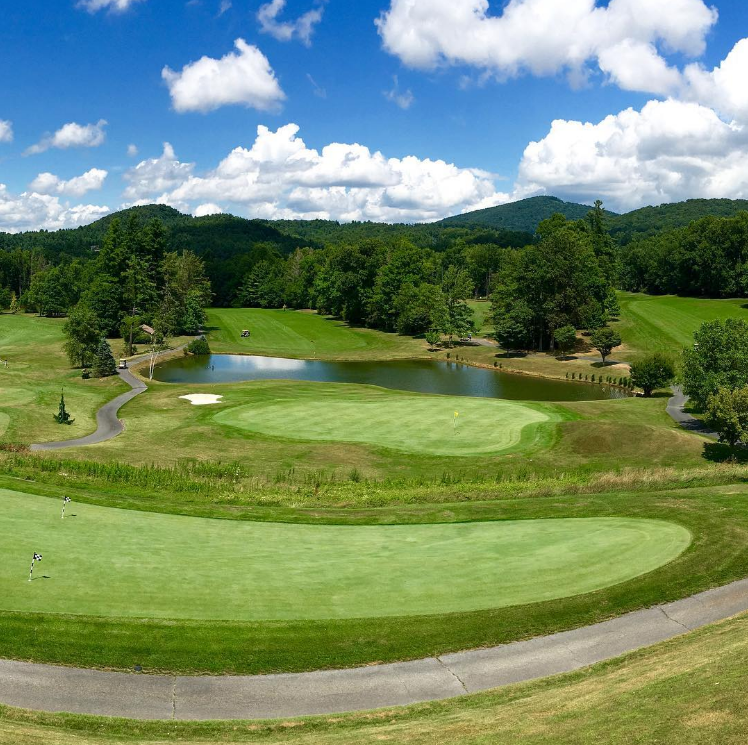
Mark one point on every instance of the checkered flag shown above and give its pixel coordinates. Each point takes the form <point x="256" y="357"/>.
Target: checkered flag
<point x="37" y="557"/>
<point x="65" y="500"/>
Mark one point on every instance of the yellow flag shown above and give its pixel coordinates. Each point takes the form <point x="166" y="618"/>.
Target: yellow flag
<point x="457" y="413"/>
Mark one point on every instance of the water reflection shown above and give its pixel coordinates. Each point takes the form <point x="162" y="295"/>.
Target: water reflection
<point x="423" y="376"/>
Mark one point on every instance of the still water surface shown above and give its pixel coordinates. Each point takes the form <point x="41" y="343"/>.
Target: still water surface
<point x="422" y="376"/>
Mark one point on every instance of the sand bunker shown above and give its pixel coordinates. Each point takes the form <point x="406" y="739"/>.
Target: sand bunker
<point x="202" y="399"/>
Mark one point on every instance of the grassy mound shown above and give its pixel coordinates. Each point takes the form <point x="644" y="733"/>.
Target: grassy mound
<point x="413" y="423"/>
<point x="108" y="562"/>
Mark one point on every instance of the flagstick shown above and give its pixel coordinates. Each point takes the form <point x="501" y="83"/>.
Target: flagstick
<point x="65" y="500"/>
<point x="36" y="557"/>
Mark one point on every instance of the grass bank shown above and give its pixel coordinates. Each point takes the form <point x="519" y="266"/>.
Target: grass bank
<point x="687" y="691"/>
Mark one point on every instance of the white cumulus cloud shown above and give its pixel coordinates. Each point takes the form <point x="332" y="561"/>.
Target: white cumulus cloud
<point x="31" y="211"/>
<point x="118" y="6"/>
<point x="301" y="29"/>
<point x="726" y="87"/>
<point x="669" y="151"/>
<point x="626" y="39"/>
<point x="280" y="177"/>
<point x="156" y="175"/>
<point x="49" y="183"/>
<point x="242" y="77"/>
<point x="72" y="135"/>
<point x="202" y="210"/>
<point x="6" y="131"/>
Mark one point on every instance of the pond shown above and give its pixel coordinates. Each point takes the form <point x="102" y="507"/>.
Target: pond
<point x="422" y="376"/>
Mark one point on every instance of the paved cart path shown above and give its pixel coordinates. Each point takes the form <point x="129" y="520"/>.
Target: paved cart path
<point x="676" y="409"/>
<point x="108" y="425"/>
<point x="138" y="696"/>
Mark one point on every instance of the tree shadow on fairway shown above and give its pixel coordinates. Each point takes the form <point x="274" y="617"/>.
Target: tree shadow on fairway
<point x="719" y="452"/>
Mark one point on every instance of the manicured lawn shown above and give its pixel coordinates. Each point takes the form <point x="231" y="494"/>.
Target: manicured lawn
<point x="31" y="384"/>
<point x="716" y="518"/>
<point x="411" y="423"/>
<point x="303" y="334"/>
<point x="108" y="562"/>
<point x="687" y="691"/>
<point x="667" y="323"/>
<point x="481" y="309"/>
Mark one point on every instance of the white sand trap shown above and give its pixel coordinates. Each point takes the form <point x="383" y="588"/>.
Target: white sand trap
<point x="203" y="399"/>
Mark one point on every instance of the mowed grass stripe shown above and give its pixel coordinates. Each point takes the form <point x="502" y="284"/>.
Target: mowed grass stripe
<point x="109" y="562"/>
<point x="667" y="323"/>
<point x="303" y="334"/>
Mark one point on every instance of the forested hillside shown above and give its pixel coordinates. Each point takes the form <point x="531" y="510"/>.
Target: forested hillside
<point x="524" y="215"/>
<point x="651" y="220"/>
<point x="414" y="279"/>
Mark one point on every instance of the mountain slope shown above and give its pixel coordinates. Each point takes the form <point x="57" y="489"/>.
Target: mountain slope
<point x="524" y="215"/>
<point x="650" y="220"/>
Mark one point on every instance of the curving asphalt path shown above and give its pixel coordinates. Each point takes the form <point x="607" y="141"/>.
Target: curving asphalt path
<point x="676" y="409"/>
<point x="108" y="425"/>
<point x="137" y="696"/>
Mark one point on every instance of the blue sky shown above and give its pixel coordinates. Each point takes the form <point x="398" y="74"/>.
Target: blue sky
<point x="466" y="82"/>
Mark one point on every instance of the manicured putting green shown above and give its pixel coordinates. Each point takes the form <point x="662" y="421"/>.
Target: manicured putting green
<point x="110" y="562"/>
<point x="414" y="423"/>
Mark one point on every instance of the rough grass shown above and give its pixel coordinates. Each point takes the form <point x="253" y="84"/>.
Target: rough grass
<point x="303" y="334"/>
<point x="101" y="561"/>
<point x="687" y="691"/>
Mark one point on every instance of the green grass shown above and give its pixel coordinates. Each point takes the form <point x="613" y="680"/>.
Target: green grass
<point x="716" y="518"/>
<point x="108" y="562"/>
<point x="687" y="691"/>
<point x="37" y="371"/>
<point x="481" y="310"/>
<point x="436" y="425"/>
<point x="667" y="323"/>
<point x="303" y="334"/>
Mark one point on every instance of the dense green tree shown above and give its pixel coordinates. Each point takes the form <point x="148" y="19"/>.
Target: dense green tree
<point x="82" y="335"/>
<point x="727" y="414"/>
<point x="605" y="340"/>
<point x="652" y="372"/>
<point x="420" y="309"/>
<point x="513" y="327"/>
<point x="718" y="359"/>
<point x="565" y="339"/>
<point x="103" y="362"/>
<point x="558" y="280"/>
<point x="62" y="416"/>
<point x="433" y="339"/>
<point x="264" y="286"/>
<point x="457" y="287"/>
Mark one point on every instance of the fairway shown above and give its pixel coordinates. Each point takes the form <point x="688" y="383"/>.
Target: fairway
<point x="651" y="323"/>
<point x="413" y="423"/>
<point x="303" y="334"/>
<point x="111" y="562"/>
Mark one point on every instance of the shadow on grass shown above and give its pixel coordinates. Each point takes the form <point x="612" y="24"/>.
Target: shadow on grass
<point x="719" y="452"/>
<point x="511" y="355"/>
